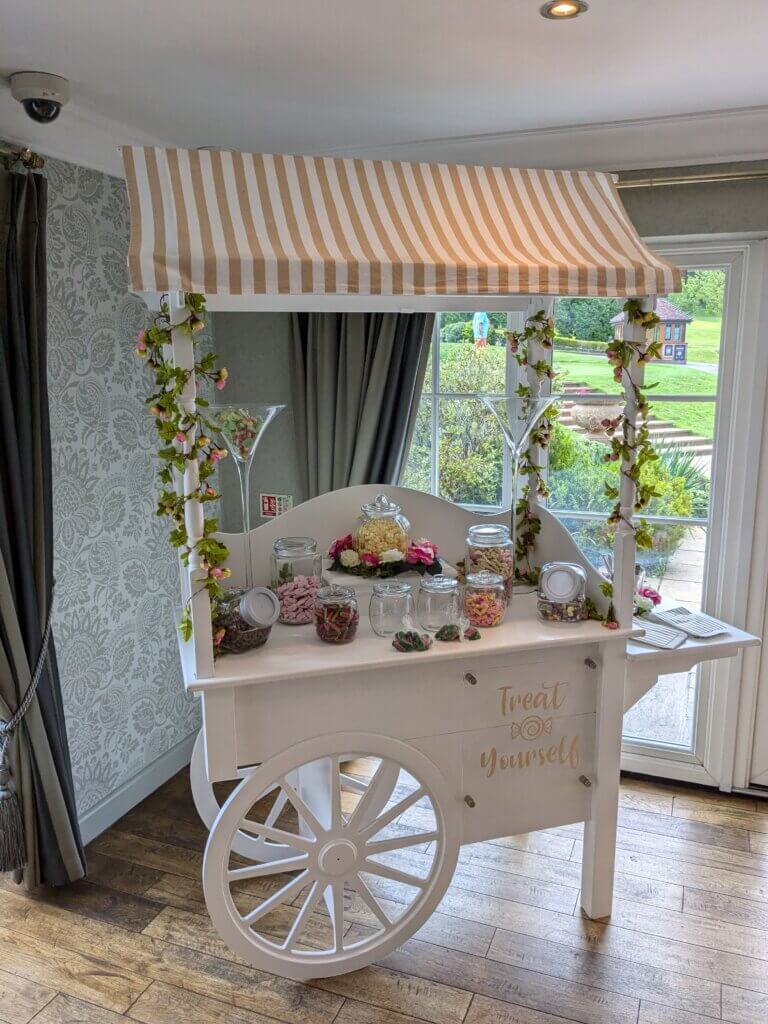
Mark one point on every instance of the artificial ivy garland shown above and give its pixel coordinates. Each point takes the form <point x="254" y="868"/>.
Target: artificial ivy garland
<point x="538" y="328"/>
<point x="185" y="437"/>
<point x="621" y="354"/>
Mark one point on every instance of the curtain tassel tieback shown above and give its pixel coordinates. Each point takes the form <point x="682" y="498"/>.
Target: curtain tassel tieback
<point x="13" y="853"/>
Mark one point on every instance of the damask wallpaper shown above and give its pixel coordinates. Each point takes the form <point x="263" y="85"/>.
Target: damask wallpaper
<point x="116" y="577"/>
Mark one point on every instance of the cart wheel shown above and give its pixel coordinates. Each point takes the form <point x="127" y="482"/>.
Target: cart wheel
<point x="256" y="847"/>
<point x="356" y="881"/>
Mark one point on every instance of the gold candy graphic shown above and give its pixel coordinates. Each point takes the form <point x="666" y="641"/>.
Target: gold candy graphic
<point x="531" y="728"/>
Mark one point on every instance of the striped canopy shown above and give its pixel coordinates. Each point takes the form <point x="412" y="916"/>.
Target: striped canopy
<point x="227" y="223"/>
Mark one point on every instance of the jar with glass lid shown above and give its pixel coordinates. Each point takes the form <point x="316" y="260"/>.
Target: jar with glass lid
<point x="297" y="572"/>
<point x="336" y="614"/>
<point x="392" y="607"/>
<point x="381" y="528"/>
<point x="438" y="603"/>
<point x="485" y="599"/>
<point x="562" y="592"/>
<point x="490" y="548"/>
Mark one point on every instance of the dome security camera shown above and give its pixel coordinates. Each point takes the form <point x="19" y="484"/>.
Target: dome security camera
<point x="42" y="95"/>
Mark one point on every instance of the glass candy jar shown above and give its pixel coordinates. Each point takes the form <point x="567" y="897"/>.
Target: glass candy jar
<point x="485" y="599"/>
<point x="490" y="549"/>
<point x="391" y="608"/>
<point x="562" y="594"/>
<point x="438" y="603"/>
<point x="381" y="527"/>
<point x="296" y="575"/>
<point x="336" y="614"/>
<point x="243" y="619"/>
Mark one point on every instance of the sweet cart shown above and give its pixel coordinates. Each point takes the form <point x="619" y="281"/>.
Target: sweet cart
<point x="359" y="771"/>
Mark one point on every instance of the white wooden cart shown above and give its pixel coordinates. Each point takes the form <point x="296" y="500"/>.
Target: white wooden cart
<point x="359" y="772"/>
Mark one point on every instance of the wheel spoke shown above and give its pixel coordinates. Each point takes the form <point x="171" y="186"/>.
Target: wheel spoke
<point x="370" y="901"/>
<point x="400" y="843"/>
<point x="274" y="867"/>
<point x="389" y="816"/>
<point x="277" y="808"/>
<point x="337" y="916"/>
<point x="301" y="808"/>
<point x="276" y="835"/>
<point x="376" y="794"/>
<point x="335" y="787"/>
<point x="352" y="784"/>
<point x="373" y="868"/>
<point x="283" y="895"/>
<point x="298" y="926"/>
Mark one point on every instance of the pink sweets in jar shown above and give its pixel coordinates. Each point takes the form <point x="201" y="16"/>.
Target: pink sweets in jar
<point x="297" y="600"/>
<point x="296" y="576"/>
<point x="485" y="600"/>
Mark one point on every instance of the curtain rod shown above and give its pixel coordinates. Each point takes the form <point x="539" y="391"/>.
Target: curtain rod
<point x="29" y="159"/>
<point x="704" y="178"/>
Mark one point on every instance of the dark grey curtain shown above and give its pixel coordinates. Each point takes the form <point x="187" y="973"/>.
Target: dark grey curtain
<point x="39" y="755"/>
<point x="356" y="383"/>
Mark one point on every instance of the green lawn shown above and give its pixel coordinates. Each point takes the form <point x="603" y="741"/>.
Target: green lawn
<point x="703" y="337"/>
<point x="466" y="369"/>
<point x="595" y="372"/>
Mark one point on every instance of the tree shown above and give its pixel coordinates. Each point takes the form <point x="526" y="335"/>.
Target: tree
<point x="589" y="319"/>
<point x="703" y="293"/>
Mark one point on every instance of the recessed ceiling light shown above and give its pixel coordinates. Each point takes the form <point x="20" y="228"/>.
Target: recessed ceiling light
<point x="561" y="9"/>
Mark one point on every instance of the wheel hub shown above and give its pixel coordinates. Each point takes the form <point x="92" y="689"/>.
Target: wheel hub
<point x="337" y="857"/>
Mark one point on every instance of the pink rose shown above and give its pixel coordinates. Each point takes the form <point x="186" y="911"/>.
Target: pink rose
<point x="220" y="384"/>
<point x="650" y="594"/>
<point x="141" y="342"/>
<point x="423" y="551"/>
<point x="342" y="544"/>
<point x="369" y="558"/>
<point x="181" y="437"/>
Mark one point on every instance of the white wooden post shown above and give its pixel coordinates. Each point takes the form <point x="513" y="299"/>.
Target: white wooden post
<point x="599" y="854"/>
<point x="600" y="831"/>
<point x="194" y="517"/>
<point x="539" y="389"/>
<point x="624" y="546"/>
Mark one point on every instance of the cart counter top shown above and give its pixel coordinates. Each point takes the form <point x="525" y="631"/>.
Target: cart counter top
<point x="295" y="652"/>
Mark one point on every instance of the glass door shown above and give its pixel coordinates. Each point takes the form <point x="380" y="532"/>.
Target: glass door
<point x="668" y="723"/>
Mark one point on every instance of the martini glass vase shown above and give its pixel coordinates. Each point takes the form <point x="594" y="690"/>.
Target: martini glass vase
<point x="517" y="418"/>
<point x="241" y="429"/>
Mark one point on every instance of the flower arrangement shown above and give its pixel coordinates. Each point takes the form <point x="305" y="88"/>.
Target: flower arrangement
<point x="184" y="436"/>
<point x="646" y="599"/>
<point x="421" y="556"/>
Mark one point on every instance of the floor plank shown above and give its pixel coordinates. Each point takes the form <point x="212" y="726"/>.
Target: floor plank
<point x="615" y="974"/>
<point x="536" y="991"/>
<point x="21" y="999"/>
<point x="742" y="1007"/>
<point x="507" y="945"/>
<point x="68" y="1010"/>
<point x="165" y="1004"/>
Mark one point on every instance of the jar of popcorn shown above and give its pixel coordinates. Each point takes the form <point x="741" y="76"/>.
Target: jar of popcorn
<point x="296" y="576"/>
<point x="485" y="600"/>
<point x="381" y="528"/>
<point x="490" y="549"/>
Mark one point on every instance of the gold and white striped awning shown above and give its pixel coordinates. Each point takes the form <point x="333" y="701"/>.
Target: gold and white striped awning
<point x="228" y="223"/>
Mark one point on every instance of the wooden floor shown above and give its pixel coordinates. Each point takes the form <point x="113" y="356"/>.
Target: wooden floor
<point x="688" y="940"/>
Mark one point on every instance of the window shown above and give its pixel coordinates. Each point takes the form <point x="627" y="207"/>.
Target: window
<point x="677" y="332"/>
<point x="457" y="450"/>
<point x="668" y="332"/>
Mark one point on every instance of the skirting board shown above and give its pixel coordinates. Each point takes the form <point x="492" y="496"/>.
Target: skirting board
<point x="112" y="808"/>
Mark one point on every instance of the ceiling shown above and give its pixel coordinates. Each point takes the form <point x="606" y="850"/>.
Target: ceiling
<point x="455" y="79"/>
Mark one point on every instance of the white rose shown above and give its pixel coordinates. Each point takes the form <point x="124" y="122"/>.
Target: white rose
<point x="392" y="555"/>
<point x="349" y="558"/>
<point x="643" y="605"/>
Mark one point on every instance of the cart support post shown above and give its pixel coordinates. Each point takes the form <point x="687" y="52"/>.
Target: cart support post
<point x="194" y="518"/>
<point x="624" y="546"/>
<point x="599" y="855"/>
<point x="539" y="388"/>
